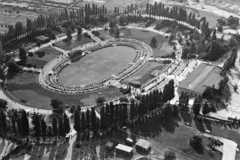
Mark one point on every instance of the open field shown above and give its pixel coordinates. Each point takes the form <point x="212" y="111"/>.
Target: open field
<point x="11" y="16"/>
<point x="50" y="53"/>
<point x="73" y="43"/>
<point x="110" y="4"/>
<point x="97" y="66"/>
<point x="162" y="48"/>
<point x="144" y="74"/>
<point x="24" y="87"/>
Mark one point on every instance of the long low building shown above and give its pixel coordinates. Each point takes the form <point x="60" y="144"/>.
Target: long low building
<point x="197" y="81"/>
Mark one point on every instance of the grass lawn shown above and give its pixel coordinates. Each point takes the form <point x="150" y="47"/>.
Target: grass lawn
<point x="36" y="96"/>
<point x="172" y="133"/>
<point x="97" y="66"/>
<point x="73" y="43"/>
<point x="50" y="53"/>
<point x="145" y="36"/>
<point x="144" y="74"/>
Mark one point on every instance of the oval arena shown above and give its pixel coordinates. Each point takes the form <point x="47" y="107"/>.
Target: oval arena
<point x="49" y="78"/>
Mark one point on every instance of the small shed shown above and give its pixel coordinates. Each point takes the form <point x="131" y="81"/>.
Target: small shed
<point x="109" y="145"/>
<point x="123" y="149"/>
<point x="129" y="141"/>
<point x="143" y="145"/>
<point x="42" y="39"/>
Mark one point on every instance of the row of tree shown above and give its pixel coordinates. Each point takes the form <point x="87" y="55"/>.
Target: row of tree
<point x="42" y="23"/>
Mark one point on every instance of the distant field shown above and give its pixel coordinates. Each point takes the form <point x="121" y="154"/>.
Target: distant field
<point x="145" y="36"/>
<point x="75" y="42"/>
<point x="13" y="17"/>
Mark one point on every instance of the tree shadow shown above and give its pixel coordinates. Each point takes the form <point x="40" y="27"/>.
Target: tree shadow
<point x="199" y="125"/>
<point x="208" y="125"/>
<point x="150" y="128"/>
<point x="168" y="124"/>
<point x="52" y="152"/>
<point x="186" y="116"/>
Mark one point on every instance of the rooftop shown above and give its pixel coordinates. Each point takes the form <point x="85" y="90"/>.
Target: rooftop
<point x="124" y="148"/>
<point x="204" y="75"/>
<point x="143" y="143"/>
<point x="42" y="37"/>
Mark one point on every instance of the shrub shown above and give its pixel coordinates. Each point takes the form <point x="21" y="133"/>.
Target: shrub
<point x="86" y="35"/>
<point x="40" y="54"/>
<point x="96" y="33"/>
<point x="169" y="155"/>
<point x="30" y="54"/>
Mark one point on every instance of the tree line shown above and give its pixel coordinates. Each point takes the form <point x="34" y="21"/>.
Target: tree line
<point x="88" y="14"/>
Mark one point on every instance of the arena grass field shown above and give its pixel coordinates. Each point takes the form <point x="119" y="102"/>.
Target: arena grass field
<point x="97" y="66"/>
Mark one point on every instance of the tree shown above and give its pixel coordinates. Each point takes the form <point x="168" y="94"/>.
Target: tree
<point x="123" y="100"/>
<point x="19" y="126"/>
<point x="66" y="124"/>
<point x="12" y="67"/>
<point x="3" y="122"/>
<point x="117" y="33"/>
<point x="69" y="33"/>
<point x="72" y="109"/>
<point x="43" y="128"/>
<point x="220" y="29"/>
<point x="77" y="123"/>
<point x="205" y="109"/>
<point x="3" y="103"/>
<point x="61" y="129"/>
<point x="100" y="100"/>
<point x="169" y="155"/>
<point x="14" y="129"/>
<point x="36" y="127"/>
<point x="79" y="32"/>
<point x="57" y="106"/>
<point x="175" y="110"/>
<point x="196" y="143"/>
<point x="193" y="47"/>
<point x="168" y="110"/>
<point x="196" y="106"/>
<point x="153" y="42"/>
<point x="123" y="20"/>
<point x="233" y="42"/>
<point x="54" y="126"/>
<point x="93" y="119"/>
<point x="22" y="55"/>
<point x="25" y="123"/>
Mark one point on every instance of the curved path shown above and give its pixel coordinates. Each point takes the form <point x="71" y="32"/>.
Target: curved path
<point x="49" y="81"/>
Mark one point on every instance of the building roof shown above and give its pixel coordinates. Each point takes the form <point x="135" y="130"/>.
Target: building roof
<point x="143" y="144"/>
<point x="42" y="38"/>
<point x="204" y="75"/>
<point x="124" y="148"/>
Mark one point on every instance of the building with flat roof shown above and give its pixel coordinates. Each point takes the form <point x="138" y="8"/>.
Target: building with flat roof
<point x="123" y="149"/>
<point x="143" y="145"/>
<point x="196" y="82"/>
<point x="42" y="39"/>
